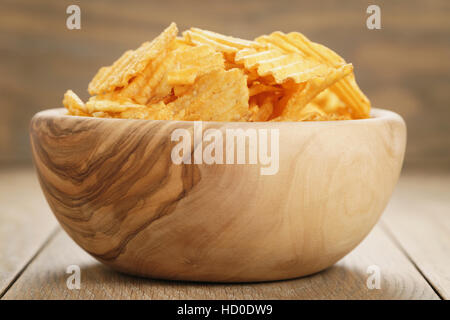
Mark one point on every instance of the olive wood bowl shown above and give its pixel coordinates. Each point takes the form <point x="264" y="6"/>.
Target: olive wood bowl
<point x="115" y="189"/>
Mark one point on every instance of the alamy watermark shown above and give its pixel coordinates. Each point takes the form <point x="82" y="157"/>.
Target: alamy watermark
<point x="228" y="146"/>
<point x="73" y="21"/>
<point x="374" y="20"/>
<point x="74" y="280"/>
<point x="374" y="278"/>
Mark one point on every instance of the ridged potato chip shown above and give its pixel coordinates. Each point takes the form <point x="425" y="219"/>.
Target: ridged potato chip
<point x="329" y="102"/>
<point x="179" y="90"/>
<point x="218" y="41"/>
<point x="194" y="62"/>
<point x="151" y="86"/>
<point x="180" y="42"/>
<point x="309" y="90"/>
<point x="219" y="95"/>
<point x="257" y="87"/>
<point x="311" y="111"/>
<point x="159" y="111"/>
<point x="346" y="89"/>
<point x="74" y="104"/>
<point x="282" y="66"/>
<point x="131" y="63"/>
<point x="103" y="104"/>
<point x="264" y="111"/>
<point x="180" y="66"/>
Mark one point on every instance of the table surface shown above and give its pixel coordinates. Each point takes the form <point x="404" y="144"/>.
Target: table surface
<point x="409" y="249"/>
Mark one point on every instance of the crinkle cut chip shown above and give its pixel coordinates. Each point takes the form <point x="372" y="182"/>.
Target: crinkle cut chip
<point x="217" y="96"/>
<point x="346" y="89"/>
<point x="131" y="63"/>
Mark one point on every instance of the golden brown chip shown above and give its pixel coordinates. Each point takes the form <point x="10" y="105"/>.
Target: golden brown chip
<point x="73" y="104"/>
<point x="309" y="112"/>
<point x="180" y="90"/>
<point x="282" y="66"/>
<point x="193" y="62"/>
<point x="179" y="67"/>
<point x="218" y="96"/>
<point x="218" y="41"/>
<point x="230" y="64"/>
<point x="131" y="63"/>
<point x="103" y="104"/>
<point x="313" y="112"/>
<point x="309" y="90"/>
<point x="346" y="89"/>
<point x="159" y="111"/>
<point x="257" y="87"/>
<point x="263" y="112"/>
<point x="180" y="42"/>
<point x="328" y="101"/>
<point x="149" y="86"/>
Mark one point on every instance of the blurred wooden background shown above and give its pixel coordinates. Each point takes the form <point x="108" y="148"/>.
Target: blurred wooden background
<point x="404" y="67"/>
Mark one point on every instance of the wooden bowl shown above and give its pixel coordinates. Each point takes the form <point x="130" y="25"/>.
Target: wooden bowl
<point x="114" y="188"/>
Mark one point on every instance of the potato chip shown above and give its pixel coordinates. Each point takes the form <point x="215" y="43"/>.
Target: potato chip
<point x="309" y="90"/>
<point x="192" y="63"/>
<point x="257" y="87"/>
<point x="218" y="41"/>
<point x="311" y="111"/>
<point x="73" y="104"/>
<point x="346" y="89"/>
<point x="159" y="111"/>
<point x="102" y="114"/>
<point x="282" y="66"/>
<point x="180" y="42"/>
<point x="179" y="90"/>
<point x="143" y="88"/>
<point x="263" y="112"/>
<point x="179" y="67"/>
<point x="219" y="95"/>
<point x="103" y="104"/>
<point x="230" y="64"/>
<point x="329" y="102"/>
<point x="318" y="115"/>
<point x="131" y="63"/>
<point x="314" y="112"/>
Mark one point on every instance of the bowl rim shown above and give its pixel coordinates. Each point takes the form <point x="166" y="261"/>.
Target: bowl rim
<point x="376" y="115"/>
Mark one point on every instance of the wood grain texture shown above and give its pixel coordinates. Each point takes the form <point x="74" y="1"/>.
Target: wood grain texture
<point x="418" y="218"/>
<point x="46" y="278"/>
<point x="403" y="67"/>
<point x="25" y="222"/>
<point x="113" y="187"/>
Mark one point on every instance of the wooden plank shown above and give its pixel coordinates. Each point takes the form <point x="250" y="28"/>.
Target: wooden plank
<point x="46" y="278"/>
<point x="26" y="222"/>
<point x="418" y="218"/>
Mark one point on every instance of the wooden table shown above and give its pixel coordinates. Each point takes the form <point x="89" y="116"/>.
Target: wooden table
<point x="410" y="247"/>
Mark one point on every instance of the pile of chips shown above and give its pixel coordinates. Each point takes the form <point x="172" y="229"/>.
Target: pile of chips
<point x="203" y="75"/>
